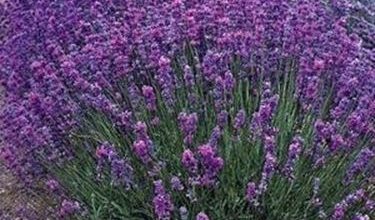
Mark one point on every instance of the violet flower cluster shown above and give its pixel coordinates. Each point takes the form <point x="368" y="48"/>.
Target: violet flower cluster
<point x="162" y="201"/>
<point x="143" y="145"/>
<point x="364" y="158"/>
<point x="120" y="169"/>
<point x="203" y="166"/>
<point x="215" y="107"/>
<point x="350" y="200"/>
<point x="295" y="149"/>
<point x="188" y="125"/>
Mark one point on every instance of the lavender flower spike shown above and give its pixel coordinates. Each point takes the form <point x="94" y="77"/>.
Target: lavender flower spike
<point x="176" y="184"/>
<point x="252" y="194"/>
<point x="184" y="213"/>
<point x="212" y="164"/>
<point x="189" y="161"/>
<point x="222" y="118"/>
<point x="295" y="150"/>
<point x="52" y="184"/>
<point x="215" y="136"/>
<point x="150" y="98"/>
<point x="202" y="216"/>
<point x="120" y="169"/>
<point x="346" y="203"/>
<point x="122" y="173"/>
<point x="68" y="208"/>
<point x="143" y="146"/>
<point x="239" y="120"/>
<point x="269" y="165"/>
<point x="163" y="206"/>
<point x="363" y="159"/>
<point x="165" y="80"/>
<point x="142" y="150"/>
<point x="359" y="216"/>
<point x="188" y="126"/>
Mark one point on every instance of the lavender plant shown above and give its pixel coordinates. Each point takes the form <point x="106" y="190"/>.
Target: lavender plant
<point x="199" y="109"/>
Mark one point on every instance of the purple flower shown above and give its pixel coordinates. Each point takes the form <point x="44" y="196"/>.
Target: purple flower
<point x="339" y="212"/>
<point x="261" y="120"/>
<point x="189" y="80"/>
<point x="176" y="184"/>
<point x="215" y="136"/>
<point x="295" y="150"/>
<point x="140" y="130"/>
<point x="229" y="81"/>
<point x="189" y="161"/>
<point x="63" y="62"/>
<point x="239" y="120"/>
<point x="155" y="121"/>
<point x="319" y="64"/>
<point x="341" y="108"/>
<point x="143" y="146"/>
<point x="188" y="77"/>
<point x="212" y="63"/>
<point x="125" y="120"/>
<point x="269" y="165"/>
<point x="142" y="150"/>
<point x="120" y="169"/>
<point x="150" y="98"/>
<point x="359" y="216"/>
<point x="268" y="171"/>
<point x="202" y="216"/>
<point x="103" y="151"/>
<point x="218" y="94"/>
<point x="269" y="143"/>
<point x="134" y="96"/>
<point x="184" y="213"/>
<point x="364" y="157"/>
<point x="163" y="206"/>
<point x="188" y="126"/>
<point x="122" y="173"/>
<point x="212" y="164"/>
<point x="351" y="199"/>
<point x="370" y="205"/>
<point x="315" y="200"/>
<point x="323" y="130"/>
<point x="165" y="80"/>
<point x="52" y="184"/>
<point x="69" y="208"/>
<point x="252" y="193"/>
<point x="337" y="142"/>
<point x="222" y="118"/>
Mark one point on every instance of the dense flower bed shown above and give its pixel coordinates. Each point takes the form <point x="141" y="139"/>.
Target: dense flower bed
<point x="199" y="109"/>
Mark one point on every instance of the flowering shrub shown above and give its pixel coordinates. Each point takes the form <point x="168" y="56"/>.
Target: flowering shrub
<point x="241" y="109"/>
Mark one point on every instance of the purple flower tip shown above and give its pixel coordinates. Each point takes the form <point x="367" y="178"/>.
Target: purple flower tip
<point x="202" y="216"/>
<point x="176" y="184"/>
<point x="189" y="161"/>
<point x="251" y="193"/>
<point x="163" y="206"/>
<point x="150" y="98"/>
<point x="69" y="208"/>
<point x="52" y="184"/>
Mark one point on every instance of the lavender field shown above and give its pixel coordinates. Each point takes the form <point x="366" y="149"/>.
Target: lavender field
<point x="188" y="109"/>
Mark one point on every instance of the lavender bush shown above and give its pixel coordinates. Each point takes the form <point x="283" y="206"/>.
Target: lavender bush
<point x="199" y="109"/>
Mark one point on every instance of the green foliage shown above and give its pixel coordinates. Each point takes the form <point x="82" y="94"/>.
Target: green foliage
<point x="243" y="161"/>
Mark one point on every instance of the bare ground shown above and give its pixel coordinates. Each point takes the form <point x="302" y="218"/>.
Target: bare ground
<point x="16" y="202"/>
